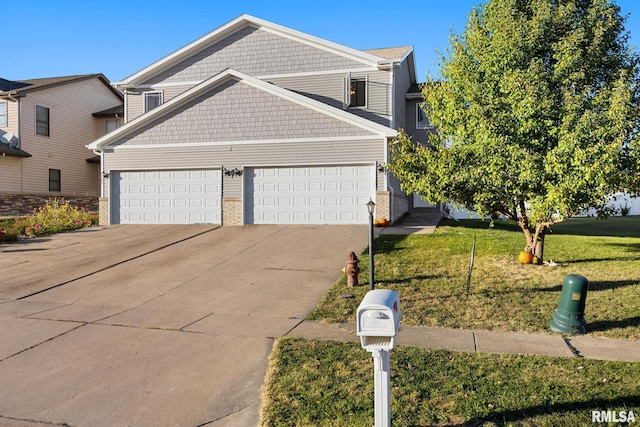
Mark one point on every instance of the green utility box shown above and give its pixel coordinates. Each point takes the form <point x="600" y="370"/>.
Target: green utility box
<point x="569" y="316"/>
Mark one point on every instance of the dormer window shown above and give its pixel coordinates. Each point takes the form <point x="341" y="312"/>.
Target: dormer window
<point x="152" y="100"/>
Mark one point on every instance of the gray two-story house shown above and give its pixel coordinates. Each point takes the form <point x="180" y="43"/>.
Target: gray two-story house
<point x="256" y="123"/>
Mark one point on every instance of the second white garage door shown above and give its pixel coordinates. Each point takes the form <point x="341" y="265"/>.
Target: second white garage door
<point x="309" y="195"/>
<point x="166" y="197"/>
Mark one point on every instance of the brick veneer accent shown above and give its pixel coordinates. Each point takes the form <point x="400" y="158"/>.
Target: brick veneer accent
<point x="383" y="205"/>
<point x="232" y="211"/>
<point x="25" y="204"/>
<point x="103" y="212"/>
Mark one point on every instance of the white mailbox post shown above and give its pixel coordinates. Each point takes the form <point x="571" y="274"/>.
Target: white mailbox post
<point x="377" y="322"/>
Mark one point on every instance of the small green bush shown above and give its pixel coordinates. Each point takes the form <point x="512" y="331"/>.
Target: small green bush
<point x="8" y="235"/>
<point x="57" y="216"/>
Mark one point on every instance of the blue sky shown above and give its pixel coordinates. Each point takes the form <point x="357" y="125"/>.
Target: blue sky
<point x="118" y="38"/>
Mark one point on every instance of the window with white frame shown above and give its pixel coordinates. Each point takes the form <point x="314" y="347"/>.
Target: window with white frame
<point x="152" y="100"/>
<point x="110" y="125"/>
<point x="3" y="114"/>
<point x="358" y="93"/>
<point x="422" y="122"/>
<point x="42" y="121"/>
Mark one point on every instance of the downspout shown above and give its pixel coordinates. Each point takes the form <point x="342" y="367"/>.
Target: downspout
<point x="393" y="96"/>
<point x="102" y="173"/>
<point x="20" y="141"/>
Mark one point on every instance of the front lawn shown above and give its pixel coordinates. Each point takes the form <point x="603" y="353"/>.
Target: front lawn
<point x="323" y="383"/>
<point x="430" y="274"/>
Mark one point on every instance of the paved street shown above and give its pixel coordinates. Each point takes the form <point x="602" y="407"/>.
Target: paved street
<point x="155" y="325"/>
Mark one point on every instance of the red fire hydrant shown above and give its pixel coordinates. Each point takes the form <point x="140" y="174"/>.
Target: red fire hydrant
<point x="352" y="270"/>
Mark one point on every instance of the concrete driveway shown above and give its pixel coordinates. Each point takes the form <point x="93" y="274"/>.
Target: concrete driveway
<point x="155" y="325"/>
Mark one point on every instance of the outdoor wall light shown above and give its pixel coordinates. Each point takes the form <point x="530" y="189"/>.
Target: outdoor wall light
<point x="233" y="172"/>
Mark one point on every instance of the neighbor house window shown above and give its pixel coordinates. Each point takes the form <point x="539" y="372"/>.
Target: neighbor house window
<point x="3" y="113"/>
<point x="111" y="125"/>
<point x="422" y="122"/>
<point x="54" y="180"/>
<point x="358" y="93"/>
<point x="152" y="100"/>
<point x="42" y="121"/>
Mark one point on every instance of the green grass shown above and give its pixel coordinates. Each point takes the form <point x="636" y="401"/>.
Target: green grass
<point x="430" y="271"/>
<point x="322" y="383"/>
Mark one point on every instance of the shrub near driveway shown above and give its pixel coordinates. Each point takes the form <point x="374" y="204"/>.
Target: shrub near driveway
<point x="429" y="272"/>
<point x="57" y="216"/>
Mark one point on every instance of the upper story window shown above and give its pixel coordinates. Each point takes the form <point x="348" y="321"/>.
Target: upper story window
<point x="358" y="93"/>
<point x="42" y="121"/>
<point x="152" y="100"/>
<point x="111" y="125"/>
<point x="3" y="114"/>
<point x="422" y="122"/>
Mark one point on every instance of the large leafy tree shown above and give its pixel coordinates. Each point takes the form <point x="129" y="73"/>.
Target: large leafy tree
<point x="536" y="115"/>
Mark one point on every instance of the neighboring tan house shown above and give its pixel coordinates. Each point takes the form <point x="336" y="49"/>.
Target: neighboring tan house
<point x="256" y="123"/>
<point x="45" y="125"/>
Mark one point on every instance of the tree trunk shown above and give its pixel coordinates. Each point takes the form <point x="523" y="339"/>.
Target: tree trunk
<point x="538" y="245"/>
<point x="535" y="247"/>
<point x="538" y="251"/>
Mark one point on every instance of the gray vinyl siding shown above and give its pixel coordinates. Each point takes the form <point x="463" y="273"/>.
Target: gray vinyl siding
<point x="232" y="186"/>
<point x="394" y="185"/>
<point x="255" y="52"/>
<point x="232" y="156"/>
<point x="326" y="88"/>
<point x="417" y="135"/>
<point x="135" y="100"/>
<point x="380" y="181"/>
<point x="402" y="84"/>
<point x="235" y="111"/>
<point x="133" y="104"/>
<point x="378" y="108"/>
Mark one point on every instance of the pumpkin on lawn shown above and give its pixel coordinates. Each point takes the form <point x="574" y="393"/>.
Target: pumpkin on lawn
<point x="525" y="257"/>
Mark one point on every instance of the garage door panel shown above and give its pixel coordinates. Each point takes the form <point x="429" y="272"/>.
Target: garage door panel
<point x="166" y="197"/>
<point x="309" y="195"/>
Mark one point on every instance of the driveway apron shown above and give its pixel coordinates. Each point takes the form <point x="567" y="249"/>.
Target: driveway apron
<point x="155" y="325"/>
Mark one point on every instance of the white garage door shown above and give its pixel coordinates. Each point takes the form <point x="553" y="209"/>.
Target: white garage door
<point x="309" y="195"/>
<point x="166" y="197"/>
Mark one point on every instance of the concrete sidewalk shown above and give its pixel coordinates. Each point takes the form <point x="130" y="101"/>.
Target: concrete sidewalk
<point x="485" y="341"/>
<point x="425" y="221"/>
<point x="418" y="221"/>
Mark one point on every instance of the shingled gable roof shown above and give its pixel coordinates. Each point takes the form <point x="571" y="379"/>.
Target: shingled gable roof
<point x="223" y="77"/>
<point x="367" y="58"/>
<point x="23" y="87"/>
